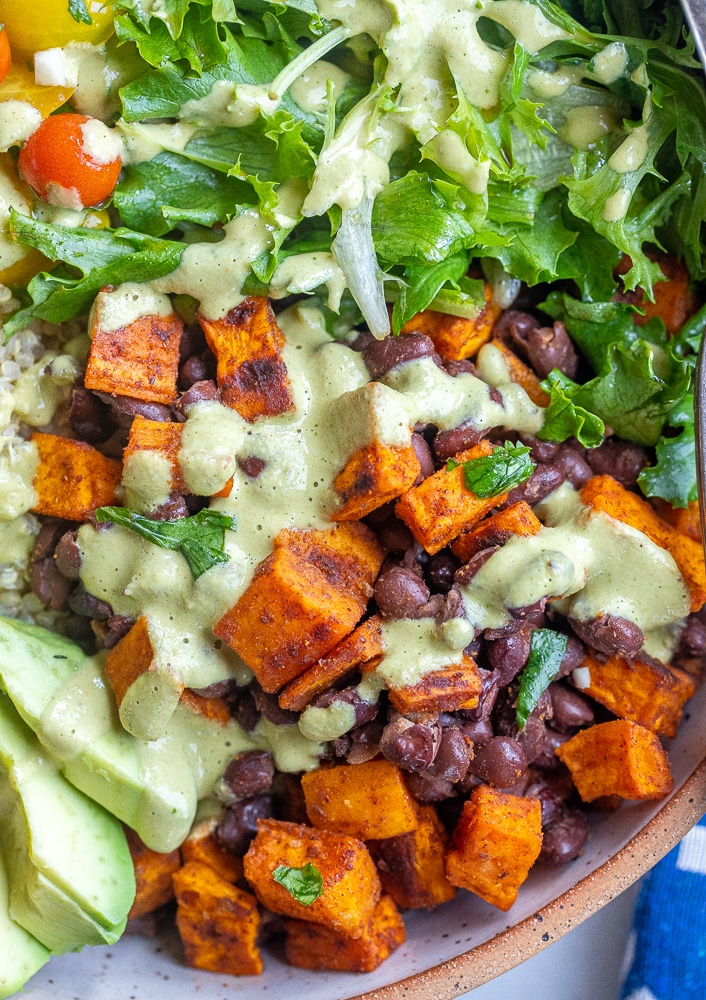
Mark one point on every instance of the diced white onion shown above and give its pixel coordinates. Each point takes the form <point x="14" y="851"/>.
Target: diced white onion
<point x="581" y="677"/>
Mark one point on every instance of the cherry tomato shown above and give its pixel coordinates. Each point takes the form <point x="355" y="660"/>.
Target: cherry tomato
<point x="5" y="55"/>
<point x="47" y="24"/>
<point x="71" y="161"/>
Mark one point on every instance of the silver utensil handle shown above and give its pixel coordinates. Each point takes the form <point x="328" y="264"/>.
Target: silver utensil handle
<point x="695" y="14"/>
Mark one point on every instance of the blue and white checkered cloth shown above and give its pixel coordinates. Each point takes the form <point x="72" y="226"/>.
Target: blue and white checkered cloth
<point x="669" y="936"/>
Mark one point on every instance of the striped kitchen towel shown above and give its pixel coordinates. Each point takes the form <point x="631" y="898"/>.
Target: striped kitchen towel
<point x="668" y="942"/>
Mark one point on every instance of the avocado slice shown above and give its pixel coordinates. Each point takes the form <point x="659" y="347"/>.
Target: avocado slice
<point x="70" y="872"/>
<point x="21" y="955"/>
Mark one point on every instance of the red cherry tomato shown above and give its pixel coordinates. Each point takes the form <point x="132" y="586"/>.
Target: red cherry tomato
<point x="5" y="54"/>
<point x="72" y="161"/>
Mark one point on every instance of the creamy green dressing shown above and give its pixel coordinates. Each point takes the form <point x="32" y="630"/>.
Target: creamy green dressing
<point x="112" y="310"/>
<point x="416" y="647"/>
<point x="590" y="564"/>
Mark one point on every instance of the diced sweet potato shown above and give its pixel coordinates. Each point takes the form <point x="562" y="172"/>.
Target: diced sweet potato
<point x="363" y="645"/>
<point x="442" y="506"/>
<point x="313" y="946"/>
<point x="304" y="598"/>
<point x="495" y="843"/>
<point x="455" y="337"/>
<point x="411" y="866"/>
<point x="139" y="360"/>
<point x="518" y="519"/>
<point x="457" y="686"/>
<point x="686" y="520"/>
<point x="202" y="845"/>
<point x="73" y="478"/>
<point x="368" y="801"/>
<point x="161" y="436"/>
<point x="146" y="690"/>
<point x="213" y="709"/>
<point x="251" y="372"/>
<point x="153" y="876"/>
<point x="617" y="758"/>
<point x="351" y="887"/>
<point x="646" y="691"/>
<point x="217" y="922"/>
<point x="373" y="476"/>
<point x="605" y="494"/>
<point x="521" y="374"/>
<point x="674" y="300"/>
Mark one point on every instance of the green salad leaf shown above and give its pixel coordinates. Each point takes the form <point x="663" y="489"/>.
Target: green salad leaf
<point x="499" y="472"/>
<point x="563" y="418"/>
<point x="547" y="650"/>
<point x="673" y="476"/>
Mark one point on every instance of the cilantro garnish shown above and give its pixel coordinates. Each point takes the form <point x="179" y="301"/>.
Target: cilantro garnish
<point x="304" y="884"/>
<point x="490" y="475"/>
<point x="79" y="11"/>
<point x="200" y="538"/>
<point x="547" y="650"/>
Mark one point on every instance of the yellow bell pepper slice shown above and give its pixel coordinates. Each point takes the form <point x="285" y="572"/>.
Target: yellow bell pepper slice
<point x="47" y="24"/>
<point x="19" y="85"/>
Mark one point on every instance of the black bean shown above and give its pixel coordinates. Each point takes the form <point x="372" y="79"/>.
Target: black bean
<point x="47" y="539"/>
<point x="450" y="443"/>
<point x="117" y="627"/>
<point x="452" y="757"/>
<point x="90" y="418"/>
<point x="410" y="746"/>
<point x="692" y="641"/>
<point x="199" y="392"/>
<point x="441" y="571"/>
<point x="245" y="711"/>
<point x="551" y="804"/>
<point x="424" y="456"/>
<point x="426" y="788"/>
<point x="175" y="507"/>
<point x="369" y="733"/>
<point x="48" y="584"/>
<point x="227" y="688"/>
<point x="564" y="838"/>
<point x="465" y="574"/>
<point x="381" y="356"/>
<point x="622" y="460"/>
<point x="575" y="468"/>
<point x="570" y="709"/>
<point x="395" y="536"/>
<point x="400" y="593"/>
<point x="365" y="711"/>
<point x="609" y="634"/>
<point x="550" y="347"/>
<point x="85" y="604"/>
<point x="193" y="341"/>
<point x="541" y="451"/>
<point x="252" y="466"/>
<point x="249" y="773"/>
<point x="478" y="732"/>
<point x="543" y="481"/>
<point x="533" y="613"/>
<point x="500" y="761"/>
<point x="544" y="743"/>
<point x="362" y="340"/>
<point x="268" y="705"/>
<point x="508" y="649"/>
<point x="126" y="408"/>
<point x="487" y="698"/>
<point x="340" y="747"/>
<point x="573" y="657"/>
<point x="455" y="368"/>
<point x="67" y="556"/>
<point x="239" y="824"/>
<point x="512" y="324"/>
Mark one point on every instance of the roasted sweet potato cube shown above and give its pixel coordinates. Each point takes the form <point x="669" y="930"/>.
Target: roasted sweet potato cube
<point x="518" y="519"/>
<point x="373" y="476"/>
<point x="442" y="506"/>
<point x="607" y="495"/>
<point x="643" y="690"/>
<point x="213" y="709"/>
<point x="411" y="866"/>
<point x="686" y="520"/>
<point x="457" y="686"/>
<point x="455" y="337"/>
<point x="304" y="598"/>
<point x="674" y="300"/>
<point x="217" y="922"/>
<point x="521" y="374"/>
<point x="495" y="843"/>
<point x="146" y="689"/>
<point x="250" y="369"/>
<point x="368" y="801"/>
<point x="140" y="359"/>
<point x="363" y="645"/>
<point x="203" y="845"/>
<point x="153" y="875"/>
<point x="351" y="887"/>
<point x="617" y="758"/>
<point x="73" y="478"/>
<point x="159" y="436"/>
<point x="313" y="946"/>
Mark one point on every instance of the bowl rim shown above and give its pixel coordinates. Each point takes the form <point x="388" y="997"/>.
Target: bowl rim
<point x="528" y="937"/>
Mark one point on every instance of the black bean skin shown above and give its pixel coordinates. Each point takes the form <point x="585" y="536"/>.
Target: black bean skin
<point x="573" y="657"/>
<point x="513" y="324"/>
<point x="450" y="443"/>
<point x="426" y="788"/>
<point x="365" y="711"/>
<point x="570" y="709"/>
<point x="410" y="747"/>
<point x="48" y="584"/>
<point x="424" y="457"/>
<point x="252" y="466"/>
<point x="692" y="641"/>
<point x="455" y="368"/>
<point x="622" y="460"/>
<point x="551" y="804"/>
<point x="239" y="824"/>
<point x="500" y="761"/>
<point x="466" y="573"/>
<point x="174" y="508"/>
<point x="85" y="604"/>
<point x="67" y="556"/>
<point x="268" y="705"/>
<point x="543" y="481"/>
<point x="507" y="650"/>
<point x="441" y="571"/>
<point x="576" y="469"/>
<point x="609" y="634"/>
<point x="245" y="711"/>
<point x="479" y="731"/>
<point x="249" y="773"/>
<point x="90" y="418"/>
<point x="117" y="627"/>
<point x="453" y="756"/>
<point x="550" y="347"/>
<point x="541" y="451"/>
<point x="126" y="408"/>
<point x="47" y="540"/>
<point x="487" y="699"/>
<point x="400" y="593"/>
<point x="395" y="536"/>
<point x="564" y="838"/>
<point x="198" y="392"/>
<point x="381" y="356"/>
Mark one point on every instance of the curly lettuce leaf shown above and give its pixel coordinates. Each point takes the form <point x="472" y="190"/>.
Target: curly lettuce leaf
<point x="673" y="476"/>
<point x="563" y="418"/>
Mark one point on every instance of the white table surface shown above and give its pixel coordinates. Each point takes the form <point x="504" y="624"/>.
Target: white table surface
<point x="586" y="964"/>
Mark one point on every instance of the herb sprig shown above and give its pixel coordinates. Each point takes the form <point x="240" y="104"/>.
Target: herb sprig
<point x="304" y="884"/>
<point x="547" y="650"/>
<point x="490" y="475"/>
<point x="200" y="538"/>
